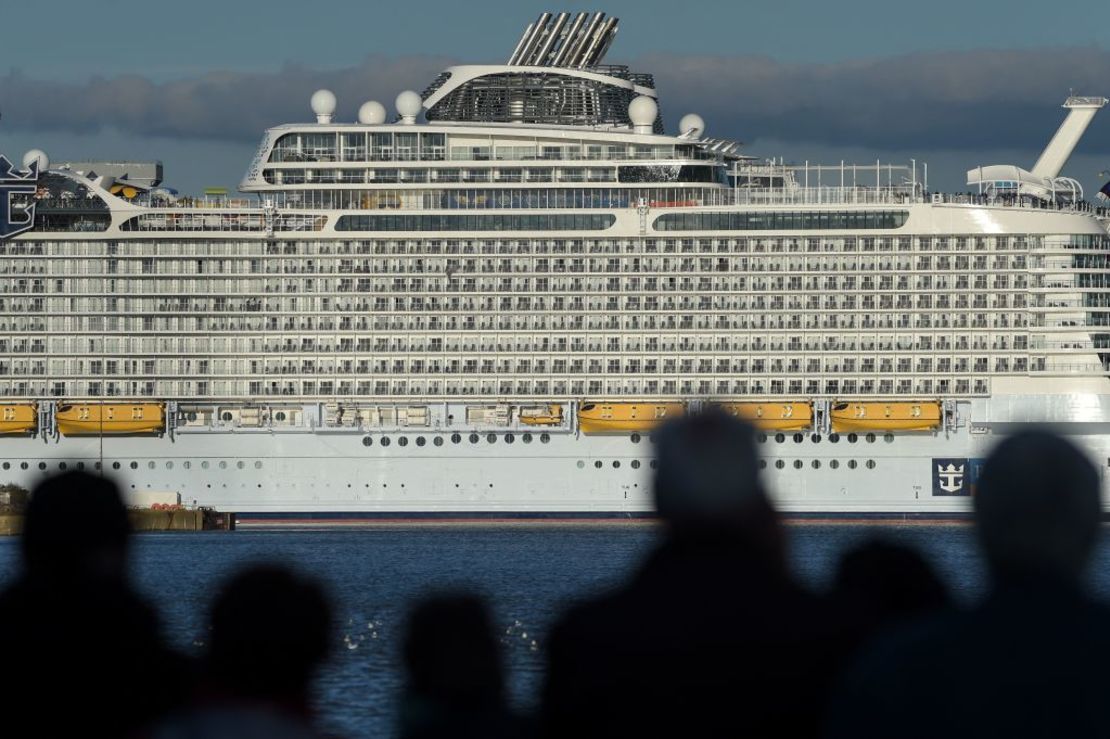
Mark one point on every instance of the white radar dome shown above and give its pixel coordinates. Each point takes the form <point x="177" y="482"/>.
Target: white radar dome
<point x="409" y="105"/>
<point x="323" y="105"/>
<point x="371" y="113"/>
<point x="691" y="126"/>
<point x="36" y="155"/>
<point x="642" y="112"/>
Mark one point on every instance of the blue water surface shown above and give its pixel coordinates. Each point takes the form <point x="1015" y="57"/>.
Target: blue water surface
<point x="529" y="572"/>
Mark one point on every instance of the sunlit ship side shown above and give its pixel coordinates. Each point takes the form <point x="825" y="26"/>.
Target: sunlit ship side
<point x="484" y="306"/>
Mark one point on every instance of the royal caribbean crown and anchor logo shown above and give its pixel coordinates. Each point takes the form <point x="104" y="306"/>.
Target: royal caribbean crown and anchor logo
<point x="14" y="183"/>
<point x="956" y="475"/>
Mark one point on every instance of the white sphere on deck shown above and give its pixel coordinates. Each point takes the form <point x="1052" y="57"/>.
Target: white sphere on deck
<point x="692" y="125"/>
<point x="642" y="111"/>
<point x="36" y="155"/>
<point x="323" y="102"/>
<point x="409" y="104"/>
<point x="371" y="113"/>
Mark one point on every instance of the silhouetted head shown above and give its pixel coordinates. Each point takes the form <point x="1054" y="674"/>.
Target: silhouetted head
<point x="1037" y="506"/>
<point x="893" y="579"/>
<point x="708" y="475"/>
<point x="451" y="652"/>
<point x="76" y="527"/>
<point x="270" y="632"/>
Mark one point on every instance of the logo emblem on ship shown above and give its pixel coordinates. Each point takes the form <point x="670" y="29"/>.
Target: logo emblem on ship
<point x="14" y="220"/>
<point x="950" y="477"/>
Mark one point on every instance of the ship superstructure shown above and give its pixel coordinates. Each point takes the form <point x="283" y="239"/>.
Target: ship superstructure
<point x="484" y="304"/>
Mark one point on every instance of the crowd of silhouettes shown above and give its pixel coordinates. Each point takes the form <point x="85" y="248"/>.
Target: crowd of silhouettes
<point x="712" y="635"/>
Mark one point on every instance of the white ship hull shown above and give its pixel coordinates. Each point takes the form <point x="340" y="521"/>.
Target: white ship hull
<point x="331" y="472"/>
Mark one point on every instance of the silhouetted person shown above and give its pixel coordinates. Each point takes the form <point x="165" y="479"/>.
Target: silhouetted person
<point x="711" y="637"/>
<point x="270" y="632"/>
<point x="888" y="584"/>
<point x="455" y="685"/>
<point x="82" y="653"/>
<point x="1031" y="659"/>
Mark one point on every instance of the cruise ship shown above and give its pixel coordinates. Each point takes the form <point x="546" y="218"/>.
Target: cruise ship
<point x="482" y="304"/>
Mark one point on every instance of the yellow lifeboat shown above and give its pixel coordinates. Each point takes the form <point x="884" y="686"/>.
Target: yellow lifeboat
<point x="94" y="419"/>
<point x="542" y="415"/>
<point x="617" y="418"/>
<point x="902" y="416"/>
<point x="18" y="418"/>
<point x="787" y="416"/>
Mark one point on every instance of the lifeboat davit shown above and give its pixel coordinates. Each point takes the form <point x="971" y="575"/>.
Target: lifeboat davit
<point x="899" y="416"/>
<point x="780" y="416"/>
<point x="109" y="419"/>
<point x="622" y="418"/>
<point x="18" y="418"/>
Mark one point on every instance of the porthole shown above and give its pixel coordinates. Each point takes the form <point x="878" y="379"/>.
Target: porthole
<point x="871" y="438"/>
<point x="437" y="440"/>
<point x="616" y="464"/>
<point x="96" y="465"/>
<point x="798" y="464"/>
<point x="798" y="438"/>
<point x="779" y="464"/>
<point x="42" y="465"/>
<point x="834" y="464"/>
<point x="240" y="464"/>
<point x="761" y="438"/>
<point x="421" y="441"/>
<point x="888" y="438"/>
<point x="474" y="438"/>
<point x="258" y="465"/>
<point x="491" y="438"/>
<point x="544" y="438"/>
<point x="115" y="465"/>
<point x="597" y="464"/>
<point x="635" y="464"/>
<point x="870" y="464"/>
<point x="581" y="464"/>
<point x="851" y="464"/>
<point x="780" y="438"/>
<point x="852" y="438"/>
<point x="654" y="464"/>
<point x="7" y="465"/>
<point x="190" y="416"/>
<point x="403" y="441"/>
<point x="80" y="466"/>
<point x="635" y="438"/>
<point x="62" y="465"/>
<point x="134" y="465"/>
<point x="816" y="464"/>
<point x="169" y="465"/>
<point x="279" y="416"/>
<point x="509" y="438"/>
<point x="456" y="438"/>
<point x="186" y="464"/>
<point x="385" y="441"/>
<point x="763" y="464"/>
<point x="367" y="441"/>
<point x="223" y="464"/>
<point x="816" y="438"/>
<point x="225" y="416"/>
<point x="526" y="438"/>
<point x="150" y="465"/>
<point x="833" y="438"/>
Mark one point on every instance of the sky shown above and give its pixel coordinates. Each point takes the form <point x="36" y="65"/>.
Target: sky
<point x="953" y="83"/>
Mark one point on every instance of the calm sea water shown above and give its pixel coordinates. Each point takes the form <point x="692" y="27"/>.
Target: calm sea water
<point x="528" y="572"/>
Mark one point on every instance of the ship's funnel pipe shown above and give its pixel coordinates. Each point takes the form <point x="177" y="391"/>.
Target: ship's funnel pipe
<point x="1080" y="112"/>
<point x="537" y="31"/>
<point x="515" y="56"/>
<point x="584" y="40"/>
<point x="590" y="58"/>
<point x="552" y="37"/>
<point x="569" y="40"/>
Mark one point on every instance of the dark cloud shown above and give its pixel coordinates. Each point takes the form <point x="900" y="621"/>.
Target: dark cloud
<point x="988" y="99"/>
